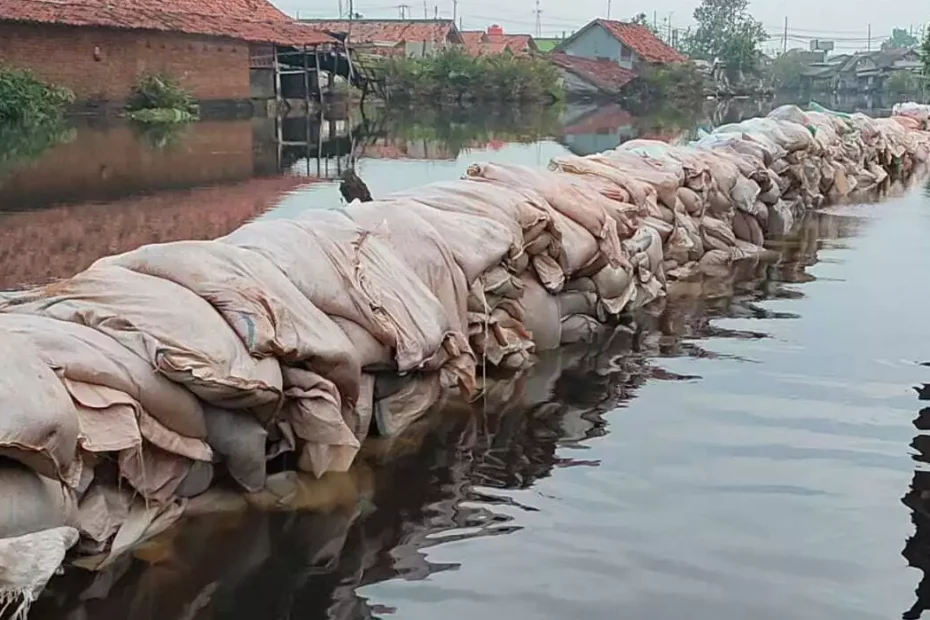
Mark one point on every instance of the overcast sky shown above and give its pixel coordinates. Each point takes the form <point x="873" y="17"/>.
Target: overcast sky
<point x="845" y="21"/>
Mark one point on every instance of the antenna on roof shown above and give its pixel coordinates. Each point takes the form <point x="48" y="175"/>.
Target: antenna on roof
<point x="538" y="20"/>
<point x="455" y="12"/>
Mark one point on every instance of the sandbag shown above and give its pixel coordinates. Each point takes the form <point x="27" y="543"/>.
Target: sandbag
<point x="238" y="441"/>
<point x="477" y="242"/>
<point x="176" y="331"/>
<point x="407" y="403"/>
<point x="543" y="319"/>
<point x="39" y="425"/>
<point x="347" y="272"/>
<point x="85" y="355"/>
<point x="565" y="194"/>
<point x="269" y="314"/>
<point x="31" y="502"/>
<point x="28" y="562"/>
<point x="421" y="247"/>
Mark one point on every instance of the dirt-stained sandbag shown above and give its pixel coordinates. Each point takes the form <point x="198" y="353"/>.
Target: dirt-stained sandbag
<point x="270" y="315"/>
<point x="85" y="355"/>
<point x="564" y="193"/>
<point x="478" y="243"/>
<point x="349" y="272"/>
<point x="543" y="319"/>
<point x="238" y="441"/>
<point x="176" y="331"/>
<point x="38" y="425"/>
<point x="32" y="502"/>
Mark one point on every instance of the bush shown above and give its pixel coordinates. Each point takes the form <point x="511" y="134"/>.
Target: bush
<point x="161" y="92"/>
<point x="454" y="75"/>
<point x="680" y="83"/>
<point x="903" y="83"/>
<point x="28" y="100"/>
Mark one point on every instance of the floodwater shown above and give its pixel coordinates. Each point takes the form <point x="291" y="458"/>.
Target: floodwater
<point x="752" y="450"/>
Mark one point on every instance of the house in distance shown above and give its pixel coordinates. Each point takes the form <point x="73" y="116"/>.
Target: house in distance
<point x="605" y="55"/>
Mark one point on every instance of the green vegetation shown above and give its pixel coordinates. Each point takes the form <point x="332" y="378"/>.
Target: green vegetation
<point x="458" y="129"/>
<point x="903" y="83"/>
<point x="159" y="98"/>
<point x="787" y="70"/>
<point x="453" y="76"/>
<point x="925" y="52"/>
<point x="900" y="39"/>
<point x="678" y="84"/>
<point x="726" y="31"/>
<point x="27" y="100"/>
<point x="643" y="20"/>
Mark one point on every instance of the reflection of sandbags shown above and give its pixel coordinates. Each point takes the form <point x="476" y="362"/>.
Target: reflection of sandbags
<point x="347" y="272"/>
<point x="269" y="314"/>
<point x="238" y="440"/>
<point x="32" y="502"/>
<point x="38" y="424"/>
<point x="175" y="330"/>
<point x="88" y="356"/>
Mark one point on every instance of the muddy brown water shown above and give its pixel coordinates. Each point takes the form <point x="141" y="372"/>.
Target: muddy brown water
<point x="751" y="450"/>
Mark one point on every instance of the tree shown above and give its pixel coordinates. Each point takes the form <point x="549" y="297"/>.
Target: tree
<point x="643" y="20"/>
<point x="787" y="70"/>
<point x="925" y="52"/>
<point x="726" y="31"/>
<point x="902" y="83"/>
<point x="900" y="39"/>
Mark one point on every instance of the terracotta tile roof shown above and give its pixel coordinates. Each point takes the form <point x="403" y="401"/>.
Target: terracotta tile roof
<point x="642" y="41"/>
<point x="389" y="30"/>
<point x="248" y="20"/>
<point x="606" y="75"/>
<point x="479" y="42"/>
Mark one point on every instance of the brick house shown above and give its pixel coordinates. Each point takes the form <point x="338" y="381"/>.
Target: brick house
<point x="99" y="48"/>
<point x="604" y="55"/>
<point x="410" y="38"/>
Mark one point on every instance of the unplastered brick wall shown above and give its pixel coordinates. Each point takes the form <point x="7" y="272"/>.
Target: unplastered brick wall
<point x="103" y="63"/>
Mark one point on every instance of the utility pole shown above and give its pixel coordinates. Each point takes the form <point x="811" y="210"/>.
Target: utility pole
<point x="425" y="10"/>
<point x="655" y="21"/>
<point x="869" y="48"/>
<point x="608" y="9"/>
<point x="340" y="9"/>
<point x="538" y="21"/>
<point x="435" y="11"/>
<point x="785" y="40"/>
<point x="455" y="12"/>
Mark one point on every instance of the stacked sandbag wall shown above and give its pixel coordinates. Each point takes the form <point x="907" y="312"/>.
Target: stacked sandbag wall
<point x="157" y="373"/>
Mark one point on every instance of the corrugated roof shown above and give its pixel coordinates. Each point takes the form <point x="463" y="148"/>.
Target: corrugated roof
<point x="643" y="41"/>
<point x="606" y="75"/>
<point x="247" y="20"/>
<point x="389" y="30"/>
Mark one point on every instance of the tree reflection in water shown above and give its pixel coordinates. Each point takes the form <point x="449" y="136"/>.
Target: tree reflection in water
<point x="917" y="548"/>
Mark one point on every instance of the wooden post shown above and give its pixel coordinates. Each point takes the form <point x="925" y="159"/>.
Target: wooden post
<point x="307" y="81"/>
<point x="277" y="80"/>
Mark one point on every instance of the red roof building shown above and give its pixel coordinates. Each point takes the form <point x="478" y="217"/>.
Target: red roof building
<point x="496" y="41"/>
<point x="408" y="37"/>
<point x="100" y="48"/>
<point x="605" y="55"/>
